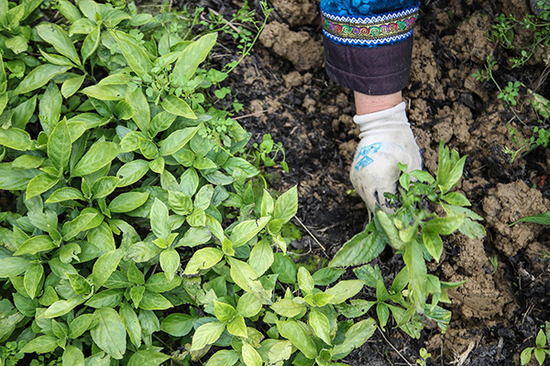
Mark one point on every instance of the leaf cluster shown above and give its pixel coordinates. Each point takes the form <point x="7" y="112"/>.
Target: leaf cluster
<point x="415" y="233"/>
<point x="541" y="349"/>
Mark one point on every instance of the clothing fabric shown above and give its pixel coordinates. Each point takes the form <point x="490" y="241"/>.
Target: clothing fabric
<point x="368" y="43"/>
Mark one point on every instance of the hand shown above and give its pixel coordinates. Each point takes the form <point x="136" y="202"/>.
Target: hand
<point x="386" y="140"/>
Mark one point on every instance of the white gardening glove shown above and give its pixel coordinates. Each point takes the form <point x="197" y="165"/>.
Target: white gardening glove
<point x="386" y="140"/>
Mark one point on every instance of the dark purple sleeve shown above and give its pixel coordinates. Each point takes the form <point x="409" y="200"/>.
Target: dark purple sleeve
<point x="370" y="54"/>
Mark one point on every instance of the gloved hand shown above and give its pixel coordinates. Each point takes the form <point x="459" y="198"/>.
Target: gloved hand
<point x="386" y="139"/>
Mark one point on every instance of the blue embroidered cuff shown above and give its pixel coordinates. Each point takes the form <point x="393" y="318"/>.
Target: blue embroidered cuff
<point x="370" y="31"/>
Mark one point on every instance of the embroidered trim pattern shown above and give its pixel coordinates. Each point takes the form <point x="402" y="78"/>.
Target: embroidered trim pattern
<point x="370" y="30"/>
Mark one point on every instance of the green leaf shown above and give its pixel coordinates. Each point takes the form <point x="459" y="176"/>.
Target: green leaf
<point x="60" y="146"/>
<point x="42" y="344"/>
<point x="305" y="281"/>
<point x="223" y="358"/>
<point x="69" y="11"/>
<point x="206" y="334"/>
<point x="246" y="230"/>
<point x="142" y="115"/>
<point x="36" y="244"/>
<point x="540" y="355"/>
<point x="135" y="55"/>
<point x="248" y="170"/>
<point x="284" y="267"/>
<point x="33" y="278"/>
<point x="159" y="219"/>
<point x="131" y="172"/>
<point x="128" y="201"/>
<point x="320" y="324"/>
<point x="180" y="203"/>
<point x="105" y="266"/>
<point x="39" y="77"/>
<point x="72" y="85"/>
<point x="457" y="199"/>
<point x="444" y="225"/>
<point x="224" y="312"/>
<point x="360" y="249"/>
<point x="292" y="331"/>
<point x="344" y="290"/>
<point x="286" y="205"/>
<point x="288" y="308"/>
<point x="61" y="307"/>
<point x="99" y="155"/>
<point x="13" y="266"/>
<point x="177" y="106"/>
<point x="40" y="184"/>
<point x="105" y="92"/>
<point x="109" y="334"/>
<point x="142" y="252"/>
<point x="147" y="358"/>
<point x="65" y="194"/>
<point x="91" y="43"/>
<point x="248" y="305"/>
<point x="543" y="219"/>
<point x="15" y="138"/>
<point x="169" y="262"/>
<point x="245" y="277"/>
<point x="177" y="140"/>
<point x="177" y="324"/>
<point x="251" y="357"/>
<point x="154" y="301"/>
<point x="355" y="309"/>
<point x="56" y="36"/>
<point x="261" y="257"/>
<point x="526" y="355"/>
<point x="433" y="243"/>
<point x="203" y="259"/>
<point x="81" y="223"/>
<point x="191" y="57"/>
<point x="326" y="276"/>
<point x="108" y="298"/>
<point x="356" y="336"/>
<point x="72" y="356"/>
<point x="161" y="122"/>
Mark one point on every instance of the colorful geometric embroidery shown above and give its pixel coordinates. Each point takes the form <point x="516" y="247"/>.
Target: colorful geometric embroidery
<point x="370" y="30"/>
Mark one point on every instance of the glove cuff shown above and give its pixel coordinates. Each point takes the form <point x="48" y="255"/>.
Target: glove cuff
<point x="389" y="118"/>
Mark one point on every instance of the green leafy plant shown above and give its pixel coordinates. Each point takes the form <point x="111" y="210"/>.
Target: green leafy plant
<point x="424" y="355"/>
<point x="415" y="233"/>
<point x="267" y="152"/>
<point x="136" y="230"/>
<point x="541" y="349"/>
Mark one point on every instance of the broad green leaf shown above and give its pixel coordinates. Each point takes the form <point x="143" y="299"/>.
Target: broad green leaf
<point x="245" y="277"/>
<point x="251" y="357"/>
<point x="542" y="219"/>
<point x="56" y="36"/>
<point x="237" y="327"/>
<point x="135" y="55"/>
<point x="36" y="244"/>
<point x="72" y="85"/>
<point x="99" y="155"/>
<point x="23" y="113"/>
<point x="294" y="332"/>
<point x="154" y="301"/>
<point x="131" y="172"/>
<point x="128" y="201"/>
<point x="61" y="307"/>
<point x="60" y="146"/>
<point x="161" y="122"/>
<point x="131" y="323"/>
<point x="108" y="298"/>
<point x="91" y="43"/>
<point x="15" y="138"/>
<point x="224" y="312"/>
<point x="40" y="184"/>
<point x="72" y="356"/>
<point x="65" y="194"/>
<point x="50" y="108"/>
<point x="261" y="257"/>
<point x="444" y="225"/>
<point x="433" y="243"/>
<point x="246" y="169"/>
<point x="344" y="290"/>
<point x="180" y="203"/>
<point x="177" y="324"/>
<point x="284" y="267"/>
<point x="305" y="281"/>
<point x="69" y="11"/>
<point x="11" y="179"/>
<point x="42" y="344"/>
<point x="203" y="259"/>
<point x="177" y="106"/>
<point x="27" y="162"/>
<point x="109" y="334"/>
<point x="191" y="57"/>
<point x="82" y="222"/>
<point x="124" y="110"/>
<point x="142" y="252"/>
<point x="39" y="77"/>
<point x="177" y="140"/>
<point x="142" y="115"/>
<point x="206" y="334"/>
<point x="356" y="336"/>
<point x="105" y="92"/>
<point x="159" y="219"/>
<point x="57" y="59"/>
<point x="355" y="309"/>
<point x="147" y="358"/>
<point x="326" y="276"/>
<point x="288" y="308"/>
<point x="320" y="324"/>
<point x="105" y="266"/>
<point x="13" y="266"/>
<point x="279" y="352"/>
<point x="286" y="205"/>
<point x="248" y="305"/>
<point x="246" y="230"/>
<point x="169" y="262"/>
<point x="102" y="238"/>
<point x="33" y="278"/>
<point x="360" y="249"/>
<point x="223" y="358"/>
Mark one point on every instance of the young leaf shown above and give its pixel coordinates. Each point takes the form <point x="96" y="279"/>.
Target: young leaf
<point x="178" y="107"/>
<point x="261" y="257"/>
<point x="203" y="259"/>
<point x="109" y="334"/>
<point x="138" y="101"/>
<point x="248" y="305"/>
<point x="42" y="344"/>
<point x="105" y="266"/>
<point x="246" y="230"/>
<point x="59" y="146"/>
<point x="223" y="358"/>
<point x="159" y="219"/>
<point x="251" y="357"/>
<point x="288" y="308"/>
<point x="72" y="85"/>
<point x="177" y="324"/>
<point x="360" y="249"/>
<point x="131" y="323"/>
<point x="135" y="55"/>
<point x="292" y="331"/>
<point x="177" y="140"/>
<point x="169" y="262"/>
<point x="286" y="205"/>
<point x="32" y="280"/>
<point x="56" y="36"/>
<point x="206" y="334"/>
<point x="15" y="138"/>
<point x="191" y="57"/>
<point x="36" y="244"/>
<point x="99" y="155"/>
<point x="91" y="43"/>
<point x="40" y="184"/>
<point x="128" y="201"/>
<point x="320" y="324"/>
<point x="344" y="290"/>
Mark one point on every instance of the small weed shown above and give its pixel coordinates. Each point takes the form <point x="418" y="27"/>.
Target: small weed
<point x="424" y="355"/>
<point x="541" y="349"/>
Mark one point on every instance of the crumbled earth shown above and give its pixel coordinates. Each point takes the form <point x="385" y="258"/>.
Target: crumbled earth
<point x="504" y="301"/>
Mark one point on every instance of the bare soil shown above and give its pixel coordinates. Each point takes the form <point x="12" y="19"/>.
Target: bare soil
<point x="497" y="312"/>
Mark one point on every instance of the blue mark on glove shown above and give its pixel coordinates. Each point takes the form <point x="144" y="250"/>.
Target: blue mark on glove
<point x="363" y="158"/>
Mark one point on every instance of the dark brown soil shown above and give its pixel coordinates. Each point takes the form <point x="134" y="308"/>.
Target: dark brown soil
<point x="496" y="314"/>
